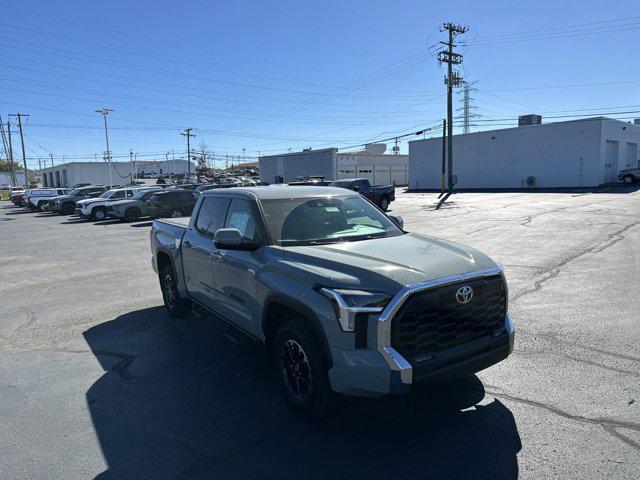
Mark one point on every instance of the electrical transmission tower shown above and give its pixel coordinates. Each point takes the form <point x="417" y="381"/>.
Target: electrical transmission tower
<point x="467" y="108"/>
<point x="453" y="79"/>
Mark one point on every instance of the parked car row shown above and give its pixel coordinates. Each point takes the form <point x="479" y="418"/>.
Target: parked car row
<point x="97" y="202"/>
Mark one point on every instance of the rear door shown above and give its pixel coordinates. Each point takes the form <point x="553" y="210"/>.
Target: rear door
<point x="198" y="250"/>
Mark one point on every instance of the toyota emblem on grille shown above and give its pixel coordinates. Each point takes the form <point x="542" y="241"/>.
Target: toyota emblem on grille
<point x="464" y="294"/>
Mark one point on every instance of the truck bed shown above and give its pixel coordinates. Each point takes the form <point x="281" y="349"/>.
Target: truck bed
<point x="182" y="222"/>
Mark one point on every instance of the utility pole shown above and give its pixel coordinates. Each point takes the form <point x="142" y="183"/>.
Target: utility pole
<point x="107" y="157"/>
<point x="244" y="157"/>
<point x="24" y="155"/>
<point x="187" y="133"/>
<point x="11" y="153"/>
<point x="452" y="79"/>
<point x="131" y="163"/>
<point x="51" y="155"/>
<point x="444" y="154"/>
<point x="396" y="148"/>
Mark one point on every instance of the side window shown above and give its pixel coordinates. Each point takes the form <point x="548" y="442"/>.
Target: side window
<point x="129" y="193"/>
<point x="210" y="215"/>
<point x="240" y="216"/>
<point x="118" y="194"/>
<point x="364" y="185"/>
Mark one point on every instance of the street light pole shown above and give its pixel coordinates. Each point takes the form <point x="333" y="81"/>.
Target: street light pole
<point x="104" y="112"/>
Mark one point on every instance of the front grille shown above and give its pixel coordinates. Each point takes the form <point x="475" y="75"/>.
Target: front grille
<point x="434" y="320"/>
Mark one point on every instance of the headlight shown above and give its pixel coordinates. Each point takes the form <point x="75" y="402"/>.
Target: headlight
<point x="347" y="303"/>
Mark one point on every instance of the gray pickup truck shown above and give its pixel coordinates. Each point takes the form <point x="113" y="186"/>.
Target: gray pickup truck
<point x="343" y="298"/>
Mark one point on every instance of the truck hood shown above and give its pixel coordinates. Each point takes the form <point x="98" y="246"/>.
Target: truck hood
<point x="122" y="202"/>
<point x="88" y="201"/>
<point x="388" y="264"/>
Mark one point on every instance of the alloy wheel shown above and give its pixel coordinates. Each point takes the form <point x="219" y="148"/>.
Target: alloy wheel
<point x="296" y="371"/>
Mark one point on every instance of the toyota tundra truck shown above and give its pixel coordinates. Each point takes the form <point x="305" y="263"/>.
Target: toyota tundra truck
<point x="344" y="299"/>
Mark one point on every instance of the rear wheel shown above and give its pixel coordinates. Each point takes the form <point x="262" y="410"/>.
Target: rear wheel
<point x="302" y="369"/>
<point x="176" y="213"/>
<point x="175" y="305"/>
<point x="99" y="214"/>
<point x="384" y="203"/>
<point x="629" y="179"/>
<point x="41" y="206"/>
<point x="132" y="214"/>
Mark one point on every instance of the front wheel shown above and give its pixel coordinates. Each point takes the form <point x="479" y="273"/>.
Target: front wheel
<point x="132" y="215"/>
<point x="175" y="305"/>
<point x="67" y="209"/>
<point x="629" y="179"/>
<point x="100" y="214"/>
<point x="302" y="370"/>
<point x="384" y="203"/>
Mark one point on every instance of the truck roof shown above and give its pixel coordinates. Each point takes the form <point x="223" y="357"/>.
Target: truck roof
<point x="274" y="192"/>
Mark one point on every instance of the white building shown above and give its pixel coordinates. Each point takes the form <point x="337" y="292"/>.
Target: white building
<point x="371" y="163"/>
<point x="105" y="173"/>
<point x="6" y="178"/>
<point x="576" y="153"/>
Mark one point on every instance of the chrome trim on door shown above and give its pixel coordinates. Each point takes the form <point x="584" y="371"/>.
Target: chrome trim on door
<point x="396" y="361"/>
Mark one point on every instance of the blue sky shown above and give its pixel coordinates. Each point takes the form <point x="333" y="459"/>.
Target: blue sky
<point x="269" y="76"/>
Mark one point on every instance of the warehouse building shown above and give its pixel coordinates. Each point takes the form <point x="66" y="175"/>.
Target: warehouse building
<point x="371" y="163"/>
<point x="576" y="153"/>
<point x="105" y="173"/>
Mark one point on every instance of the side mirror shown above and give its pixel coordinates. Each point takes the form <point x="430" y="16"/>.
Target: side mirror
<point x="397" y="219"/>
<point x="355" y="188"/>
<point x="231" y="239"/>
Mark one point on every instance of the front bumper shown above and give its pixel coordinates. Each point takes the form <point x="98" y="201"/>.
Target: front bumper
<point x="381" y="370"/>
<point x="367" y="373"/>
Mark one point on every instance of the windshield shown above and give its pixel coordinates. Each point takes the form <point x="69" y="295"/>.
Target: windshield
<point x="316" y="221"/>
<point x="341" y="183"/>
<point x="143" y="194"/>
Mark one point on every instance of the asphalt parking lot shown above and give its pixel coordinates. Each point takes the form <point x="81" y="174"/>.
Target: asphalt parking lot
<point x="97" y="381"/>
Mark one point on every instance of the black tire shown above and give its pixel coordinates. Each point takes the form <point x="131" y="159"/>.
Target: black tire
<point x="302" y="370"/>
<point x="41" y="206"/>
<point x="67" y="209"/>
<point x="132" y="215"/>
<point x="99" y="214"/>
<point x="629" y="179"/>
<point x="176" y="213"/>
<point x="177" y="306"/>
<point x="384" y="203"/>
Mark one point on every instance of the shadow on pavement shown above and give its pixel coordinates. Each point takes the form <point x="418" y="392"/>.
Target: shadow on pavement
<point x="180" y="400"/>
<point x="142" y="224"/>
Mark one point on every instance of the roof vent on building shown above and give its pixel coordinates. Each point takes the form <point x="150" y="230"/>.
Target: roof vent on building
<point x="531" y="119"/>
<point x="375" y="148"/>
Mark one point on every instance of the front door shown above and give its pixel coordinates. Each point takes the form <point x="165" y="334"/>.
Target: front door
<point x="236" y="270"/>
<point x="198" y="251"/>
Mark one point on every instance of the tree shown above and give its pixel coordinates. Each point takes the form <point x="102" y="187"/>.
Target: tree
<point x="5" y="166"/>
<point x="201" y="157"/>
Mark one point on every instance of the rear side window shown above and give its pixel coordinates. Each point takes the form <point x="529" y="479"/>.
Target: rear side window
<point x="118" y="194"/>
<point x="186" y="196"/>
<point x="210" y="215"/>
